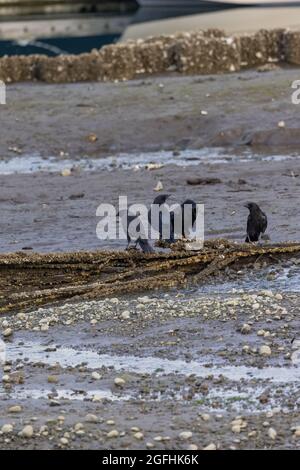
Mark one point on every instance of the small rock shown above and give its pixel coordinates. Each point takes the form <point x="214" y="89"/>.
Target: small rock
<point x="119" y="382"/>
<point x="15" y="409"/>
<point x="272" y="433"/>
<point x="159" y="186"/>
<point x="6" y="333"/>
<point x="96" y="376"/>
<point x="7" y="428"/>
<point x="246" y="329"/>
<point x="27" y="431"/>
<point x="297" y="431"/>
<point x="265" y="350"/>
<point x="66" y="172"/>
<point x="185" y="435"/>
<point x="52" y="379"/>
<point x="139" y="436"/>
<point x="90" y="418"/>
<point x="210" y="447"/>
<point x="92" y="137"/>
<point x="112" y="434"/>
<point x="125" y="315"/>
<point x="192" y="447"/>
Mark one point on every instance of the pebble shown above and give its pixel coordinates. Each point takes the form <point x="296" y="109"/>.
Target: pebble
<point x="52" y="379"/>
<point x="112" y="434"/>
<point x="192" y="447"/>
<point x="159" y="186"/>
<point x="6" y="333"/>
<point x="297" y="431"/>
<point x="96" y="376"/>
<point x="64" y="441"/>
<point x="90" y="418"/>
<point x="245" y="329"/>
<point x="185" y="435"/>
<point x="139" y="436"/>
<point x="265" y="350"/>
<point x="210" y="447"/>
<point x="7" y="428"/>
<point x="78" y="426"/>
<point x="27" y="431"/>
<point x="205" y="417"/>
<point x="66" y="172"/>
<point x="119" y="382"/>
<point x="15" y="409"/>
<point x="125" y="315"/>
<point x="272" y="433"/>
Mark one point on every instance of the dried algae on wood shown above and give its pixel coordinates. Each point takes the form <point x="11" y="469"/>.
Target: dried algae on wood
<point x="29" y="280"/>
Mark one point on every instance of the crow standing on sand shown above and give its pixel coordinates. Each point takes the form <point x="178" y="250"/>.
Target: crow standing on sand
<point x="257" y="222"/>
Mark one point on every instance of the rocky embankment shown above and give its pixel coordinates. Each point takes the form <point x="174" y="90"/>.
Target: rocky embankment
<point x="202" y="52"/>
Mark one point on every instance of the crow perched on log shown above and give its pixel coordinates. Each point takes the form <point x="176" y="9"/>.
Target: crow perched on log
<point x="186" y="225"/>
<point x="143" y="243"/>
<point x="159" y="201"/>
<point x="126" y="219"/>
<point x="257" y="222"/>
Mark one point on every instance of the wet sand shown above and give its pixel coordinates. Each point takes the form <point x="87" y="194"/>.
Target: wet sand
<point x="151" y="114"/>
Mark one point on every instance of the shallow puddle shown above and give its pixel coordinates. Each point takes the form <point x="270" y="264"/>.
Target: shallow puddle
<point x="69" y="357"/>
<point x="288" y="280"/>
<point x="35" y="163"/>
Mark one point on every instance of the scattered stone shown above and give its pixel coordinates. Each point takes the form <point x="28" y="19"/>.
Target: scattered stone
<point x="185" y="435"/>
<point x="96" y="376"/>
<point x="272" y="433"/>
<point x="7" y="428"/>
<point x="66" y="172"/>
<point x="119" y="382"/>
<point x="265" y="350"/>
<point x="159" y="186"/>
<point x="52" y="379"/>
<point x="8" y="332"/>
<point x="27" y="431"/>
<point x="112" y="434"/>
<point x="15" y="409"/>
<point x="90" y="418"/>
<point x="210" y="447"/>
<point x="246" y="329"/>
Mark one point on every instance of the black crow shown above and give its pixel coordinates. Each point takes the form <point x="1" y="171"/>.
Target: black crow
<point x="186" y="225"/>
<point x="142" y="242"/>
<point x="190" y="225"/>
<point x="126" y="219"/>
<point x="159" y="201"/>
<point x="257" y="222"/>
<point x="144" y="245"/>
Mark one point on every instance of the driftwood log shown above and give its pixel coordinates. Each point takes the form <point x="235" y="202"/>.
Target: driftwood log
<point x="30" y="280"/>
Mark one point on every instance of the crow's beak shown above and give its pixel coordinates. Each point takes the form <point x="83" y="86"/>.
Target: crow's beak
<point x="246" y="205"/>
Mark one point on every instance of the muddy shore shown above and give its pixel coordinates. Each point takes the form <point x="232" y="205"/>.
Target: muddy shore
<point x="209" y="366"/>
<point x="78" y="126"/>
